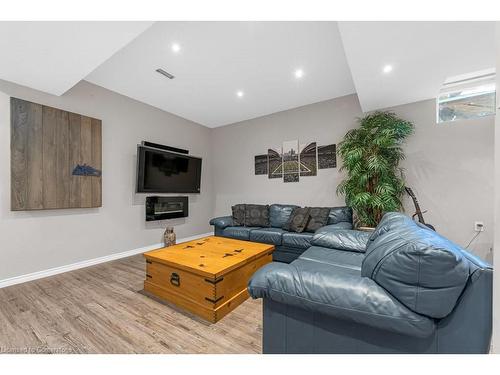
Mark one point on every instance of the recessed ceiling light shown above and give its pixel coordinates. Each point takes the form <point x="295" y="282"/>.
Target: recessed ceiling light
<point x="299" y="73"/>
<point x="176" y="47"/>
<point x="240" y="94"/>
<point x="387" y="69"/>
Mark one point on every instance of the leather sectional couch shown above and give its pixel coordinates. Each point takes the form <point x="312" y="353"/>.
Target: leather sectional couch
<point x="400" y="289"/>
<point x="288" y="245"/>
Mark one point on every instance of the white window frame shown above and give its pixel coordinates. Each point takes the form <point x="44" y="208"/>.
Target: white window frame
<point x="485" y="77"/>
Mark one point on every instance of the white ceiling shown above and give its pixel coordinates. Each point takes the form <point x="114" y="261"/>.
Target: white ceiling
<point x="217" y="59"/>
<point x="54" y="56"/>
<point x="423" y="55"/>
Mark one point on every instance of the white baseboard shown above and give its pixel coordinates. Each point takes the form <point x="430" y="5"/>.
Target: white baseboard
<point x="86" y="263"/>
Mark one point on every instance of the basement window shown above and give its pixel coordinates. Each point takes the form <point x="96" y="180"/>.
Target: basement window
<point x="466" y="97"/>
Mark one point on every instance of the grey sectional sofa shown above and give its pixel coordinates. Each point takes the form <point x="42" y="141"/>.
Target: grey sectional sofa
<point x="400" y="289"/>
<point x="288" y="245"/>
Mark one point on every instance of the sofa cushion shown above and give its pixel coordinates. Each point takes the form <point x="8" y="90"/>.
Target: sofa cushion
<point x="337" y="292"/>
<point x="297" y="240"/>
<point x="238" y="214"/>
<point x="239" y="233"/>
<point x="256" y="215"/>
<point x="279" y="214"/>
<point x="280" y="255"/>
<point x="422" y="269"/>
<point x="349" y="240"/>
<point x="267" y="235"/>
<point x="341" y="225"/>
<point x="340" y="214"/>
<point x="318" y="218"/>
<point x="298" y="220"/>
<point x="338" y="258"/>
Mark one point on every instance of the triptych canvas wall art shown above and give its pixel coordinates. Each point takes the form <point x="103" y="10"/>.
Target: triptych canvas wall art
<point x="293" y="160"/>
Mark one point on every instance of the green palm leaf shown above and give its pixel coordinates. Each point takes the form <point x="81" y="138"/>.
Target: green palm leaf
<point x="371" y="154"/>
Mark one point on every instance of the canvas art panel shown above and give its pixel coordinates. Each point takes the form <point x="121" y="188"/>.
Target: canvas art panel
<point x="261" y="164"/>
<point x="327" y="156"/>
<point x="291" y="161"/>
<point x="275" y="163"/>
<point x="307" y="159"/>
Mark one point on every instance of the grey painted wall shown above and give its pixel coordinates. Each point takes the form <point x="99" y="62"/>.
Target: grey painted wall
<point x="236" y="145"/>
<point x="35" y="241"/>
<point x="450" y="166"/>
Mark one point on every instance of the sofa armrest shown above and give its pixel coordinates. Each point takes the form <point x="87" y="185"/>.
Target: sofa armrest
<point x="313" y="286"/>
<point x="222" y="222"/>
<point x="342" y="239"/>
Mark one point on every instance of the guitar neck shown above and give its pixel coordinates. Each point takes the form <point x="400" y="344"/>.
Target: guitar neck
<point x="418" y="211"/>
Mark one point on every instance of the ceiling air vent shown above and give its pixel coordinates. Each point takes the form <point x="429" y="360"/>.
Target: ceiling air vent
<point x="165" y="73"/>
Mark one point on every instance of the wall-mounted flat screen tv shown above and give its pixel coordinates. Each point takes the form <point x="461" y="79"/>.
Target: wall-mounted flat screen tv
<point x="161" y="171"/>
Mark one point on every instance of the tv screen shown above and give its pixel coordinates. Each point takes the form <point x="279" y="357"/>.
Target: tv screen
<point x="161" y="171"/>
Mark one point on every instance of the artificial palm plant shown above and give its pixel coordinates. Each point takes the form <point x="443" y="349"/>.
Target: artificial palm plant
<point x="371" y="156"/>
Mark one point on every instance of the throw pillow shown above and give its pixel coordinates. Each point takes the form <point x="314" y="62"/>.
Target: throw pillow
<point x="319" y="218"/>
<point x="238" y="214"/>
<point x="298" y="220"/>
<point x="256" y="215"/>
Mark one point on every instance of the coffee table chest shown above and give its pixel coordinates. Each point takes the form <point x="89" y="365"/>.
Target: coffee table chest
<point x="208" y="276"/>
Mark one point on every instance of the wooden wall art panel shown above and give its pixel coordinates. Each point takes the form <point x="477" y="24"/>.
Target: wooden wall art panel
<point x="56" y="158"/>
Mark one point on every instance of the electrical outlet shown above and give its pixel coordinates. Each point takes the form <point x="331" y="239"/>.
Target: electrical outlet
<point x="478" y="226"/>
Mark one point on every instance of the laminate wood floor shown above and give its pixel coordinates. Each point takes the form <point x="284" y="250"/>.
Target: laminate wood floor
<point x="99" y="310"/>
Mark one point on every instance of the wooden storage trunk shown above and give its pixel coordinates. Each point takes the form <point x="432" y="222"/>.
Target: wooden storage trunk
<point x="207" y="277"/>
